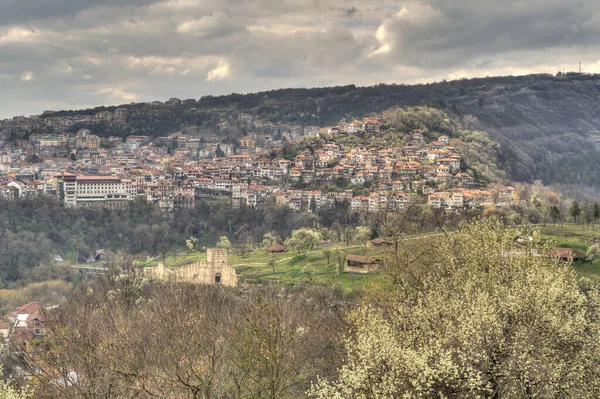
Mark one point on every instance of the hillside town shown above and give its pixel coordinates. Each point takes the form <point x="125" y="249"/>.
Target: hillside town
<point x="83" y="169"/>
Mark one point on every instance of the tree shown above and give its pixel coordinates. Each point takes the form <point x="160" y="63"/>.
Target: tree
<point x="276" y="344"/>
<point x="227" y="345"/>
<point x="593" y="252"/>
<point x="362" y="234"/>
<point x="348" y="234"/>
<point x="304" y="239"/>
<point x="77" y="242"/>
<point x="271" y="262"/>
<point x="340" y="256"/>
<point x="485" y="317"/>
<point x="327" y="252"/>
<point x="596" y="213"/>
<point x="268" y="240"/>
<point x="575" y="211"/>
<point x="219" y="153"/>
<point x="555" y="214"/>
<point x="9" y="391"/>
<point x="313" y="204"/>
<point x="224" y="243"/>
<point x="191" y="243"/>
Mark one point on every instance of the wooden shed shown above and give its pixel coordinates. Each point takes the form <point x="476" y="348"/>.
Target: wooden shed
<point x="567" y="254"/>
<point x="361" y="264"/>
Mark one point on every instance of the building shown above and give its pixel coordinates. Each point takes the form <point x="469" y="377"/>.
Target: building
<point x="29" y="319"/>
<point x="92" y="141"/>
<point x="215" y="270"/>
<point x="120" y="115"/>
<point x="371" y="125"/>
<point x="247" y="143"/>
<point x="246" y="118"/>
<point x="276" y="249"/>
<point x="567" y="254"/>
<point x="95" y="191"/>
<point x="104" y="116"/>
<point x="361" y="264"/>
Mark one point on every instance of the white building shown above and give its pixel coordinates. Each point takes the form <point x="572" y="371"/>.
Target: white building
<point x="98" y="191"/>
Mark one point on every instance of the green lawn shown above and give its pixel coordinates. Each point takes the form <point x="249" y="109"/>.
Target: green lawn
<point x="576" y="237"/>
<point x="289" y="268"/>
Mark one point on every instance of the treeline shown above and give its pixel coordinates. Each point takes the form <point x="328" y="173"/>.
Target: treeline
<point x="34" y="231"/>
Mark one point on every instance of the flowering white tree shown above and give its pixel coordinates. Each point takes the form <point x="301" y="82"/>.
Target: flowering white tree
<point x="224" y="243"/>
<point x="8" y="391"/>
<point x="488" y="317"/>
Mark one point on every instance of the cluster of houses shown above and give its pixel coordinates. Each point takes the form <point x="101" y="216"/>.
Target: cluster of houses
<point x="177" y="170"/>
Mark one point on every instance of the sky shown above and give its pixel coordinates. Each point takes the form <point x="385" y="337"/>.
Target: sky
<point x="70" y="54"/>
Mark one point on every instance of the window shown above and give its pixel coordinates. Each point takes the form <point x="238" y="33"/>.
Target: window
<point x="218" y="278"/>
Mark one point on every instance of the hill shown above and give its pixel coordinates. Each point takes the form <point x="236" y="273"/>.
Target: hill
<point x="547" y="125"/>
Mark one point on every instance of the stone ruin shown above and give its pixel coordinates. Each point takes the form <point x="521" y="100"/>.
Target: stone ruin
<point x="215" y="270"/>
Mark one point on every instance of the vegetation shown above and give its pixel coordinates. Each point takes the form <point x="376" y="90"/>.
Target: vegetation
<point x="478" y="315"/>
<point x="466" y="312"/>
<point x="9" y="391"/>
<point x="33" y="232"/>
<point x="202" y="342"/>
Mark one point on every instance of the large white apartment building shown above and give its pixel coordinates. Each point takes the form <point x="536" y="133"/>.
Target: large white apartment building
<point x="97" y="191"/>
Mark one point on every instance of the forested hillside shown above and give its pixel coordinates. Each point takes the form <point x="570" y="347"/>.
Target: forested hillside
<point x="540" y="120"/>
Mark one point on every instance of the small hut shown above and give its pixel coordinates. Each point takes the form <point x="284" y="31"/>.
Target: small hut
<point x="567" y="254"/>
<point x="361" y="264"/>
<point x="276" y="249"/>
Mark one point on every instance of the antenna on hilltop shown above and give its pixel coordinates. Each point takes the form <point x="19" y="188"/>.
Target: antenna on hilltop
<point x="580" y="68"/>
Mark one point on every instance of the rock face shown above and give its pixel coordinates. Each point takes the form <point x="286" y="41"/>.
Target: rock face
<point x="215" y="270"/>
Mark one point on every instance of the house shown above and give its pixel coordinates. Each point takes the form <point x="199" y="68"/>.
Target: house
<point x="361" y="264"/>
<point x="567" y="254"/>
<point x="29" y="318"/>
<point x="276" y="248"/>
<point x="371" y="125"/>
<point x="247" y="142"/>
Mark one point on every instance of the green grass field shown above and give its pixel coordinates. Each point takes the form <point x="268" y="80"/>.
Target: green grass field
<point x="576" y="237"/>
<point x="289" y="267"/>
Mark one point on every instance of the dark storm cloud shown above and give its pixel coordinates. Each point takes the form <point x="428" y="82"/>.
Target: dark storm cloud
<point x="437" y="34"/>
<point x="71" y="53"/>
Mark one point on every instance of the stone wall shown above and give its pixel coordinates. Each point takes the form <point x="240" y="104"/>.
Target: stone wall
<point x="215" y="270"/>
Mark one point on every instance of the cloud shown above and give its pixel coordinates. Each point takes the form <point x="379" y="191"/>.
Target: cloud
<point x="441" y="34"/>
<point x="222" y="71"/>
<point x="215" y="24"/>
<point x="118" y="93"/>
<point x="63" y="52"/>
